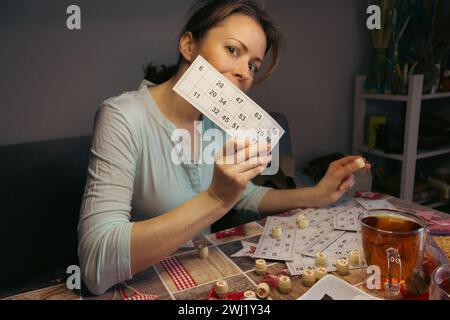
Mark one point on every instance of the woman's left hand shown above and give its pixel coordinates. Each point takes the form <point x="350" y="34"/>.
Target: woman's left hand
<point x="338" y="180"/>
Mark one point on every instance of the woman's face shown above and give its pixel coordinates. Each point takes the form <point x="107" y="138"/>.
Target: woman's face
<point x="236" y="48"/>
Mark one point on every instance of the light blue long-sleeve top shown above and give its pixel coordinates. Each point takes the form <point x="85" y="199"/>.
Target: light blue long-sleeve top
<point x="131" y="177"/>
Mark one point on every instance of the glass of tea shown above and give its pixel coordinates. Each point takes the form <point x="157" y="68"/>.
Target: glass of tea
<point x="392" y="242"/>
<point x="440" y="283"/>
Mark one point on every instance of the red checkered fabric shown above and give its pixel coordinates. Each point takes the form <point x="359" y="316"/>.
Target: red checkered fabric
<point x="136" y="295"/>
<point x="178" y="273"/>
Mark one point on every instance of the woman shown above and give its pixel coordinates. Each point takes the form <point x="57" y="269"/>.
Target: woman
<point x="138" y="206"/>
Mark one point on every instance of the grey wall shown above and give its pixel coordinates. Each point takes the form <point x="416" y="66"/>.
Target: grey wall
<point x="53" y="80"/>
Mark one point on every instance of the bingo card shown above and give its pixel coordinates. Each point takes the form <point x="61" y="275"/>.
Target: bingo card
<point x="277" y="249"/>
<point x="227" y="106"/>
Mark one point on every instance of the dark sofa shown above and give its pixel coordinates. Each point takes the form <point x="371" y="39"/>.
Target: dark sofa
<point x="40" y="190"/>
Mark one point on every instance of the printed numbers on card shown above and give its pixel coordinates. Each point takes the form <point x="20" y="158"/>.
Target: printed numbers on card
<point x="260" y="132"/>
<point x="220" y="84"/>
<point x="197" y="95"/>
<point x="235" y="126"/>
<point x="222" y="101"/>
<point x="242" y="117"/>
<point x="239" y="100"/>
<point x="215" y="110"/>
<point x="213" y="93"/>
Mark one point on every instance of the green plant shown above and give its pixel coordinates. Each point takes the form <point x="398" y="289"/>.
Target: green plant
<point x="433" y="39"/>
<point x="381" y="38"/>
<point x="429" y="36"/>
<point x="399" y="75"/>
<point x="414" y="39"/>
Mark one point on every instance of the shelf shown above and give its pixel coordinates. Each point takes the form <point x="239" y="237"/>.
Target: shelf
<point x="393" y="97"/>
<point x="410" y="154"/>
<point x="432" y="205"/>
<point x="433" y="153"/>
<point x="381" y="153"/>
<point x="386" y="97"/>
<point x="439" y="95"/>
<point x="437" y="204"/>
<point x="399" y="156"/>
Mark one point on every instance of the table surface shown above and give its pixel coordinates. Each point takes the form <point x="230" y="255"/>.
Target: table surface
<point x="237" y="271"/>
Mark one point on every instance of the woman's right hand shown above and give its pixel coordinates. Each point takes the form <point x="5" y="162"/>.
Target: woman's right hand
<point x="234" y="167"/>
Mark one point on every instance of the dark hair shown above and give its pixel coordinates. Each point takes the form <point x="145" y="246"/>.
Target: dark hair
<point x="205" y="14"/>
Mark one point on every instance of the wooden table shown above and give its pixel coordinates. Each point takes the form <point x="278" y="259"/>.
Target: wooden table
<point x="238" y="271"/>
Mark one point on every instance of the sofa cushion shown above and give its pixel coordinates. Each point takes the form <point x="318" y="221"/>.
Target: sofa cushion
<point x="40" y="190"/>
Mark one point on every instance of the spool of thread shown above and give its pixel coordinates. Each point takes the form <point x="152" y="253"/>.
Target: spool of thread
<point x="308" y="278"/>
<point x="321" y="259"/>
<point x="284" y="284"/>
<point x="276" y="232"/>
<point x="300" y="217"/>
<point x="221" y="288"/>
<point x="360" y="163"/>
<point x="262" y="290"/>
<point x="320" y="272"/>
<point x="260" y="266"/>
<point x="354" y="257"/>
<point x="342" y="267"/>
<point x="249" y="294"/>
<point x="202" y="251"/>
<point x="303" y="224"/>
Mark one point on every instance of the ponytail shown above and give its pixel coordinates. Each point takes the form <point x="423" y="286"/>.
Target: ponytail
<point x="159" y="74"/>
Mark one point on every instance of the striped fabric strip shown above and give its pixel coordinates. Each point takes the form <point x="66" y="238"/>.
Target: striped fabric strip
<point x="178" y="273"/>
